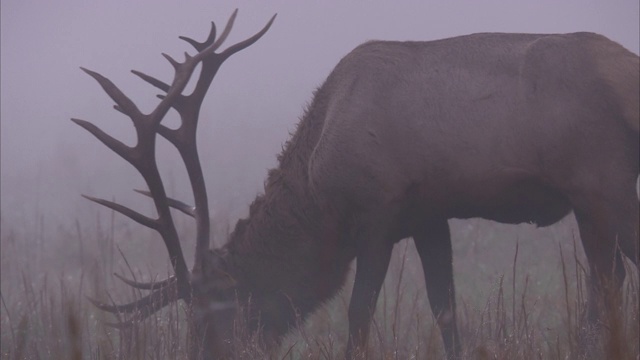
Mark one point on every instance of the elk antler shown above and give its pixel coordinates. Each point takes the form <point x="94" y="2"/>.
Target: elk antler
<point x="143" y="157"/>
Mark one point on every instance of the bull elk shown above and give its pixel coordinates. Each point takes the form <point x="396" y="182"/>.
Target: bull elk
<point x="401" y="137"/>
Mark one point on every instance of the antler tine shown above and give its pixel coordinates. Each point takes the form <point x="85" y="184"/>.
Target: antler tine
<point x="115" y="145"/>
<point x="153" y="81"/>
<point x="227" y="29"/>
<point x="133" y="215"/>
<point x="212" y="35"/>
<point x="176" y="204"/>
<point x="153" y="285"/>
<point x="248" y="42"/>
<point x="147" y="304"/>
<point x="127" y="106"/>
<point x="202" y="45"/>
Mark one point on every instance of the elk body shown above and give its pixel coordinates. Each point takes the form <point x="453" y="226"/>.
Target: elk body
<point x="401" y="137"/>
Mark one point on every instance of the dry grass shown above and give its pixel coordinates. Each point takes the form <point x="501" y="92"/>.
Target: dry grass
<point x="520" y="294"/>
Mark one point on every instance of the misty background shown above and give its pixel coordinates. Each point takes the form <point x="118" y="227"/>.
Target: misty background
<point x="254" y="102"/>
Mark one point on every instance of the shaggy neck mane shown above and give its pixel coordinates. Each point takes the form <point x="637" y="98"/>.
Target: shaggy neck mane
<point x="285" y="256"/>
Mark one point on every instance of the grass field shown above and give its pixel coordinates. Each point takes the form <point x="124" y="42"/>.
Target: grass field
<point x="520" y="294"/>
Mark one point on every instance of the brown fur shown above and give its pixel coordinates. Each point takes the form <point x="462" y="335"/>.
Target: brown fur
<point x="403" y="136"/>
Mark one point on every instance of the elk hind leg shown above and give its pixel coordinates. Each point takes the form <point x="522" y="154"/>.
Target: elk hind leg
<point x="608" y="224"/>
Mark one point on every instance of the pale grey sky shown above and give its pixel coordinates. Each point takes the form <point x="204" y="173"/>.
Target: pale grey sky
<point x="256" y="99"/>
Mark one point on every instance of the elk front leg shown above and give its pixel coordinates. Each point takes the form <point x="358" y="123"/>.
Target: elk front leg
<point x="608" y="223"/>
<point x="374" y="254"/>
<point x="433" y="242"/>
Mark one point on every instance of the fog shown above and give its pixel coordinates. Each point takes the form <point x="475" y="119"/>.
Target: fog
<point x="254" y="103"/>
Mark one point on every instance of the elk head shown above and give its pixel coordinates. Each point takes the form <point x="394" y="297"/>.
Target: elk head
<point x="207" y="286"/>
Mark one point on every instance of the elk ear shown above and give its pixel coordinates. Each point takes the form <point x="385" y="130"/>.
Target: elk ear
<point x="223" y="281"/>
<point x="215" y="271"/>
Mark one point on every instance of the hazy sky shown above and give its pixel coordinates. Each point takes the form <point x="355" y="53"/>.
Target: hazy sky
<point x="254" y="103"/>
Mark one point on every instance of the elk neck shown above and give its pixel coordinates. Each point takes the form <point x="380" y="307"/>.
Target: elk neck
<point x="288" y="256"/>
